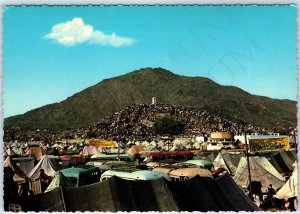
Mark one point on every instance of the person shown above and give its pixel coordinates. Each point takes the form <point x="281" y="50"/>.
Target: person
<point x="45" y="179"/>
<point x="271" y="191"/>
<point x="255" y="189"/>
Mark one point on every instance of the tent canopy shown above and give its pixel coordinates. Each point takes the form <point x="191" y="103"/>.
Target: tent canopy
<point x="59" y="180"/>
<point x="46" y="164"/>
<point x="261" y="170"/>
<point x="19" y="175"/>
<point x="37" y="152"/>
<point x="205" y="194"/>
<point x="290" y="188"/>
<point x="115" y="194"/>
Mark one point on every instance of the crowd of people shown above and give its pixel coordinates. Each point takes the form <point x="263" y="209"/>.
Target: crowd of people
<point x="136" y="122"/>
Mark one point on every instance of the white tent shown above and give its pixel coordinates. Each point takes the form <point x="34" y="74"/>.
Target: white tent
<point x="161" y="144"/>
<point x="220" y="163"/>
<point x="197" y="145"/>
<point x="290" y="188"/>
<point x="46" y="164"/>
<point x="175" y="147"/>
<point x="153" y="143"/>
<point x="261" y="170"/>
<point x="10" y="152"/>
<point x="145" y="143"/>
<point x="183" y="141"/>
<point x="224" y="160"/>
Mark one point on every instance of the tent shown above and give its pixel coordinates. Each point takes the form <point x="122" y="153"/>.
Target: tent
<point x="190" y="172"/>
<point x="90" y="150"/>
<point x="26" y="164"/>
<point x="210" y="156"/>
<point x="46" y="164"/>
<point x="10" y="152"/>
<point x="37" y="152"/>
<point x="59" y="180"/>
<point x="205" y="194"/>
<point x="290" y="188"/>
<point x="18" y="150"/>
<point x="282" y="160"/>
<point x="116" y="194"/>
<point x="228" y="161"/>
<point x="9" y="188"/>
<point x="220" y="163"/>
<point x="289" y="157"/>
<point x="19" y="175"/>
<point x="35" y="182"/>
<point x="135" y="149"/>
<point x="261" y="170"/>
<point x="52" y="201"/>
<point x="145" y="143"/>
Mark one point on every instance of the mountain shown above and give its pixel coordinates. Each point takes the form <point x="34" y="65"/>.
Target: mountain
<point x="111" y="95"/>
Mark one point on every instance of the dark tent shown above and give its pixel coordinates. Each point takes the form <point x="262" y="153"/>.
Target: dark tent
<point x="205" y="194"/>
<point x="278" y="163"/>
<point x="116" y="194"/>
<point x="289" y="157"/>
<point x="9" y="187"/>
<point x="282" y="160"/>
<point x="50" y="201"/>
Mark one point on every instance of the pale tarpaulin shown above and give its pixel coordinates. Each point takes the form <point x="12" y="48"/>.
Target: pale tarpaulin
<point x="46" y="164"/>
<point x="59" y="180"/>
<point x="290" y="188"/>
<point x="261" y="170"/>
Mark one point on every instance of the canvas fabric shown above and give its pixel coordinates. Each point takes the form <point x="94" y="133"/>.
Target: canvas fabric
<point x="46" y="164"/>
<point x="261" y="170"/>
<point x="25" y="164"/>
<point x="205" y="194"/>
<point x="59" y="180"/>
<point x="220" y="163"/>
<point x="290" y="188"/>
<point x="52" y="201"/>
<point x="90" y="150"/>
<point x="19" y="175"/>
<point x="288" y="158"/>
<point x="116" y="194"/>
<point x="18" y="150"/>
<point x="37" y="152"/>
<point x="210" y="156"/>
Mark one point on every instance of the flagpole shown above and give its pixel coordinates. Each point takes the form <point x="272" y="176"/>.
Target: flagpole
<point x="249" y="173"/>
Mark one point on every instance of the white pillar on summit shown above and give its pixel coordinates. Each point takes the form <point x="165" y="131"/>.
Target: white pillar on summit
<point x="153" y="100"/>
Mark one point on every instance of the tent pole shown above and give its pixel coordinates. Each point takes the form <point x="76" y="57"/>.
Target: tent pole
<point x="249" y="173"/>
<point x="295" y="141"/>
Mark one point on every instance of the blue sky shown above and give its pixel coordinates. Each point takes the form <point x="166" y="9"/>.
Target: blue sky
<point x="50" y="53"/>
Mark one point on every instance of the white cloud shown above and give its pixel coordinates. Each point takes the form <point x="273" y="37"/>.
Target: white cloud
<point x="76" y="32"/>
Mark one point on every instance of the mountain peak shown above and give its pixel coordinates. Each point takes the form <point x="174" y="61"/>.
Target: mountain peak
<point x="139" y="86"/>
<point x="152" y="71"/>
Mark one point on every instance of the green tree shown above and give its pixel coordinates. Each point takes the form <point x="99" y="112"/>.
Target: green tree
<point x="167" y="126"/>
